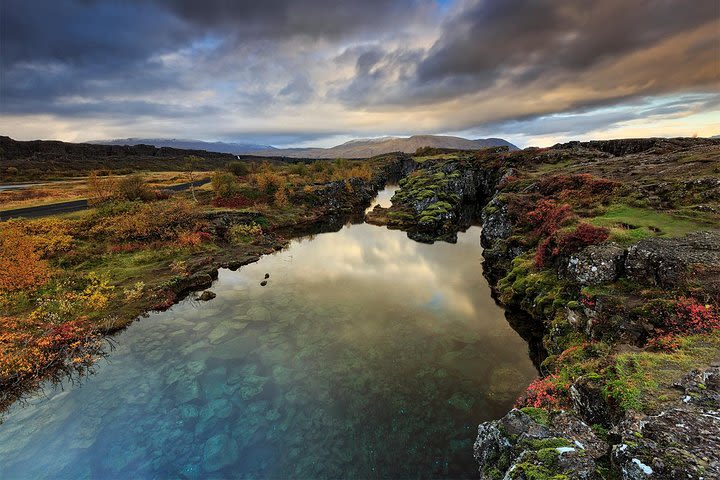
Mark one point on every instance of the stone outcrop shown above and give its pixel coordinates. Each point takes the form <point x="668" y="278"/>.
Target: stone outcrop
<point x="596" y="264"/>
<point x="674" y="262"/>
<point x="681" y="441"/>
<point x="529" y="443"/>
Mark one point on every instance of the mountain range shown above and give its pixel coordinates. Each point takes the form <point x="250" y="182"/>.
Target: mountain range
<point x="361" y="148"/>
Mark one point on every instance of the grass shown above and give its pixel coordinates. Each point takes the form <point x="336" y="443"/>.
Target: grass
<point x="441" y="156"/>
<point x="630" y="224"/>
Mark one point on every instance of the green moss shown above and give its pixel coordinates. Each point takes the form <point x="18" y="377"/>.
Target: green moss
<point x="539" y="292"/>
<point x="540" y="415"/>
<point x="530" y="471"/>
<point x="543" y="443"/>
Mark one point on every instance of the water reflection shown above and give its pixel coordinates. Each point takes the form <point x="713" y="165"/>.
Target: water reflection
<point x="367" y="355"/>
<point x="383" y="197"/>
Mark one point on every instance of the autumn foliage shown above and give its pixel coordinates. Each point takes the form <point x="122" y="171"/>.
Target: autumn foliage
<point x="560" y="244"/>
<point x="21" y="265"/>
<point x="542" y="393"/>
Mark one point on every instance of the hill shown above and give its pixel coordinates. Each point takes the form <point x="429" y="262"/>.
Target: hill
<point x="220" y="147"/>
<point x="46" y="159"/>
<point x="365" y="148"/>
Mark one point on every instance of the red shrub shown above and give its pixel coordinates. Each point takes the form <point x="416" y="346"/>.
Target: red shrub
<point x="542" y="393"/>
<point x="237" y="201"/>
<point x="694" y="317"/>
<point x="569" y="243"/>
<point x="664" y="343"/>
<point x="548" y="216"/>
<point x="581" y="187"/>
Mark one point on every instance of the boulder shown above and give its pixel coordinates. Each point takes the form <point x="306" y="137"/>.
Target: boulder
<point x="681" y="440"/>
<point x="521" y="445"/>
<point x="206" y="296"/>
<point x="595" y="264"/>
<point x="218" y="452"/>
<point x="675" y="262"/>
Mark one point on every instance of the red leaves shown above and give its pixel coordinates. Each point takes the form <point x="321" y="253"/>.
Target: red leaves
<point x="583" y="188"/>
<point x="548" y="216"/>
<point x="569" y="243"/>
<point x="694" y="317"/>
<point x="542" y="393"/>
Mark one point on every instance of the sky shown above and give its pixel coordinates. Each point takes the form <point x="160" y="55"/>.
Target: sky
<point x="320" y="72"/>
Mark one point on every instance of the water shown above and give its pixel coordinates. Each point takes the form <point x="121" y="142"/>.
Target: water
<point x="367" y="355"/>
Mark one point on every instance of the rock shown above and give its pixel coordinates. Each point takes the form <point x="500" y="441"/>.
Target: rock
<point x="218" y="452"/>
<point x="681" y="440"/>
<point x="377" y="216"/>
<point x="672" y="262"/>
<point x="267" y="275"/>
<point x="589" y="402"/>
<point x="496" y="223"/>
<point x="263" y="283"/>
<point x="206" y="296"/>
<point x="519" y="446"/>
<point x="596" y="264"/>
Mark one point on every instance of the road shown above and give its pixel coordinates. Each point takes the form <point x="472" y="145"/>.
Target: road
<point x="75" y="205"/>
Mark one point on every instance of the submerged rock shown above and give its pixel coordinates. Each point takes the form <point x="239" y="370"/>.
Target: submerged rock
<point x="218" y="452"/>
<point x="206" y="296"/>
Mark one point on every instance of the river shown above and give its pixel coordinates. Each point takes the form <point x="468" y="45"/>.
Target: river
<point x="366" y="355"/>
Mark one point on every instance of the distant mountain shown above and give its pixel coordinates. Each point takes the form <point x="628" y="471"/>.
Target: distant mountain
<point x="377" y="146"/>
<point x="220" y="147"/>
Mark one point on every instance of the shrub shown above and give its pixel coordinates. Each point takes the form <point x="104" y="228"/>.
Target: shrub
<point x="280" y="198"/>
<point x="163" y="220"/>
<point x="238" y="168"/>
<point x="569" y="243"/>
<point x="224" y="185"/>
<point x="21" y="265"/>
<point x="243" y="233"/>
<point x="51" y="235"/>
<point x="548" y="216"/>
<point x="101" y="188"/>
<point x="268" y="181"/>
<point x="133" y="187"/>
<point x="542" y="393"/>
<point x="238" y="201"/>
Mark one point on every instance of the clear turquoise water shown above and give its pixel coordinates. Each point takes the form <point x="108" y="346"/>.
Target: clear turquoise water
<point x="367" y="355"/>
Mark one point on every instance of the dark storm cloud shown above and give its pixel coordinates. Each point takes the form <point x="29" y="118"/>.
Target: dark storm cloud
<point x="515" y="44"/>
<point x="581" y="121"/>
<point x="284" y="18"/>
<point x="52" y="49"/>
<point x="338" y="64"/>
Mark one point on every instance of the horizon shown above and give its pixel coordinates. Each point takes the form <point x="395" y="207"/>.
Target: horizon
<point x="321" y="74"/>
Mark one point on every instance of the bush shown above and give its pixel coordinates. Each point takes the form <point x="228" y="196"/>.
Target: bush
<point x="280" y="198"/>
<point x="133" y="187"/>
<point x="225" y="185"/>
<point x="244" y="233"/>
<point x="268" y="181"/>
<point x="548" y="216"/>
<point x="21" y="266"/>
<point x="239" y="169"/>
<point x="163" y="220"/>
<point x="568" y="243"/>
<point x="101" y="188"/>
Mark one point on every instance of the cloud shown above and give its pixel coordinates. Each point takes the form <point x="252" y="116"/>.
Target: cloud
<point x="241" y="70"/>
